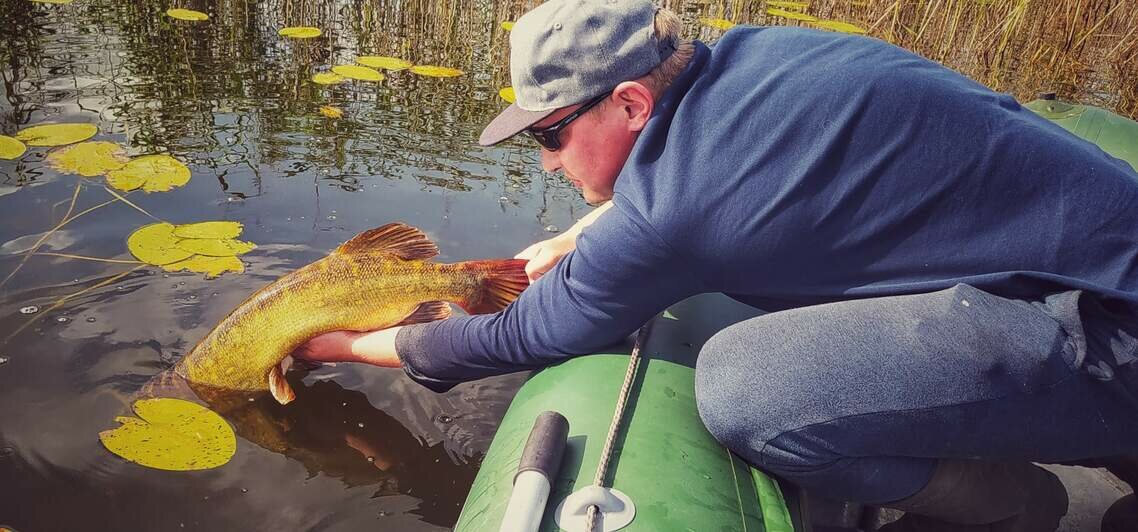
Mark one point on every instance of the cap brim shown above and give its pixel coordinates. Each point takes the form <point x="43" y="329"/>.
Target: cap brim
<point x="510" y="122"/>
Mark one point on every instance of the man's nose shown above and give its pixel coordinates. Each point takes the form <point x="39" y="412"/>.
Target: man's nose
<point x="550" y="161"/>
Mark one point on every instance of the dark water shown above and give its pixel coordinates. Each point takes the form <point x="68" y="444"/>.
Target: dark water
<point x="361" y="447"/>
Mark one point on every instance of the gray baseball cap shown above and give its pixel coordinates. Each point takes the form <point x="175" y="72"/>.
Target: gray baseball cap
<point x="565" y="52"/>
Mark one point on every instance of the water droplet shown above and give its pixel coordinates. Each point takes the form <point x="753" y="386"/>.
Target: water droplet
<point x="62" y="319"/>
<point x="361" y="425"/>
<point x="384" y="514"/>
<point x="91" y="319"/>
<point x="192" y="297"/>
<point x="251" y="399"/>
<point x="165" y="276"/>
<point x="343" y="404"/>
<point x="30" y="309"/>
<point x="205" y="497"/>
<point x="120" y="288"/>
<point x="244" y="490"/>
<point x="371" y="459"/>
<point x="503" y="199"/>
<point x="331" y="217"/>
<point x="551" y="229"/>
<point x="3" y="360"/>
<point x="181" y="283"/>
<point x="213" y="294"/>
<point x="443" y="418"/>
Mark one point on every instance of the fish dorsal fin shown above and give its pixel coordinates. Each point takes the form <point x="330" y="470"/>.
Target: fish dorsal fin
<point x="397" y="239"/>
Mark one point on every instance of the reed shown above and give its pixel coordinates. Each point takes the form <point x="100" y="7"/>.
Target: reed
<point x="1084" y="50"/>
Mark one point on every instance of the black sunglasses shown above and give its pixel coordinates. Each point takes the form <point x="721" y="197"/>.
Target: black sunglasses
<point x="549" y="137"/>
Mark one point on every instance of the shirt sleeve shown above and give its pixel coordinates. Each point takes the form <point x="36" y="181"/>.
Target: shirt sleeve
<point x="620" y="275"/>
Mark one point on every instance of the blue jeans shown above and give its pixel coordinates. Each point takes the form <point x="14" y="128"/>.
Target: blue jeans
<point x="857" y="400"/>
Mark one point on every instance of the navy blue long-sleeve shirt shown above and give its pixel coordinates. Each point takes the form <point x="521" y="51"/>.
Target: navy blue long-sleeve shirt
<point x="790" y="167"/>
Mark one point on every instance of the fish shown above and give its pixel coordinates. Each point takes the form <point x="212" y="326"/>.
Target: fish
<point x="378" y="279"/>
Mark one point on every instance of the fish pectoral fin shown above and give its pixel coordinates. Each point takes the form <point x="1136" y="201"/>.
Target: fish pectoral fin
<point x="398" y="239"/>
<point x="279" y="387"/>
<point x="429" y="311"/>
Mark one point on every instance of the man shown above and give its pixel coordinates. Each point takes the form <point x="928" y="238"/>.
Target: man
<point x="956" y="278"/>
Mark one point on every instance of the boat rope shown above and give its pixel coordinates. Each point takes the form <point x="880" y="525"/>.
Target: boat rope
<point x="622" y="400"/>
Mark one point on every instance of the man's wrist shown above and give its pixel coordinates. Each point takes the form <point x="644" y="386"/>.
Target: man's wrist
<point x="376" y="348"/>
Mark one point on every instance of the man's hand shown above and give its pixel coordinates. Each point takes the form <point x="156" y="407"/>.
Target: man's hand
<point x="375" y="347"/>
<point x="543" y="256"/>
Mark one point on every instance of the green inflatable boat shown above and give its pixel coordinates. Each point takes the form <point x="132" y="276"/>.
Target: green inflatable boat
<point x="676" y="475"/>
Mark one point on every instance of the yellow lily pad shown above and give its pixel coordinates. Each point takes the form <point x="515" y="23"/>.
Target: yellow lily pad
<point x="361" y="73"/>
<point x="436" y="71"/>
<point x="791" y="15"/>
<point x="11" y="148"/>
<point x="210" y="266"/>
<point x="507" y="94"/>
<point x="797" y="6"/>
<point x="508" y="26"/>
<point x="331" y="112"/>
<point x="156" y="244"/>
<point x="218" y="230"/>
<point x="172" y="435"/>
<point x="837" y="25"/>
<point x="328" y="78"/>
<point x="717" y="23"/>
<point x="299" y="32"/>
<point x="88" y="158"/>
<point x="151" y="173"/>
<point x="186" y="14"/>
<point x="211" y="247"/>
<point x="56" y="134"/>
<point x="386" y="63"/>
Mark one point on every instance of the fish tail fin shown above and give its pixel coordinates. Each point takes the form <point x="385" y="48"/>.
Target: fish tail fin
<point x="500" y="282"/>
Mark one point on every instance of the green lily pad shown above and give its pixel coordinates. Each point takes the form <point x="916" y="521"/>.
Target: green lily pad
<point x="361" y="73"/>
<point x="156" y="244"/>
<point x="210" y="266"/>
<point x="11" y="148"/>
<point x="328" y="78"/>
<point x="386" y="63"/>
<point x="56" y="134"/>
<point x="210" y="247"/>
<point x="172" y="435"/>
<point x="299" y="32"/>
<point x="219" y="230"/>
<point x="88" y="159"/>
<point x="186" y="14"/>
<point x="436" y="71"/>
<point x="151" y="173"/>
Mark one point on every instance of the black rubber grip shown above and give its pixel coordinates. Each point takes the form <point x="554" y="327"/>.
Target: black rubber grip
<point x="545" y="445"/>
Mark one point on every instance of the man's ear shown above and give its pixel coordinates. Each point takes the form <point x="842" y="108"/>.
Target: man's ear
<point x="636" y="103"/>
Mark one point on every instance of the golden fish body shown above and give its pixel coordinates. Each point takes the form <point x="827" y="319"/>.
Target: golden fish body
<point x="377" y="280"/>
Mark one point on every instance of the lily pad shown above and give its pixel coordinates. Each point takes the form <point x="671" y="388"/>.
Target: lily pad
<point x="156" y="244"/>
<point x="186" y="14"/>
<point x="794" y="15"/>
<point x="210" y="266"/>
<point x="717" y="23"/>
<point x="436" y="71"/>
<point x="88" y="159"/>
<point x="797" y="6"/>
<point x="361" y="73"/>
<point x="508" y="26"/>
<point x="386" y="63"/>
<point x="331" y="112"/>
<point x="151" y="173"/>
<point x="837" y="25"/>
<point x="172" y="435"/>
<point x="211" y="247"/>
<point x="328" y="78"/>
<point x="56" y="134"/>
<point x="508" y="94"/>
<point x="220" y="230"/>
<point x="11" y="148"/>
<point x="299" y="32"/>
